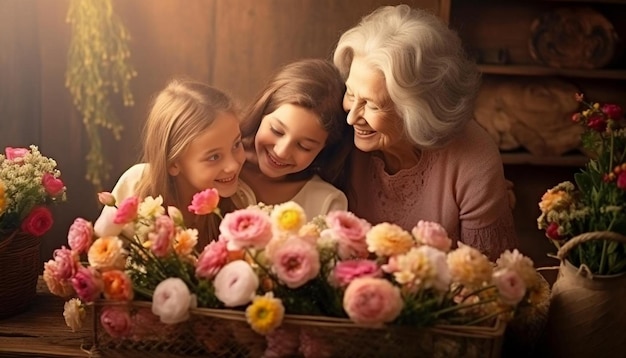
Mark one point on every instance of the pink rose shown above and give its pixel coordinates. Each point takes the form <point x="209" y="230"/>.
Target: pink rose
<point x="236" y="284"/>
<point x="66" y="263"/>
<point x="349" y="231"/>
<point x="127" y="211"/>
<point x="56" y="286"/>
<point x="372" y="301"/>
<point x="162" y="235"/>
<point x="510" y="286"/>
<point x="204" y="202"/>
<point x="53" y="185"/>
<point x="212" y="259"/>
<point x="295" y="262"/>
<point x="172" y="300"/>
<point x="613" y="111"/>
<point x="87" y="283"/>
<point x="15" y="153"/>
<point x="621" y="180"/>
<point x="346" y="271"/>
<point x="246" y="228"/>
<point x="80" y="235"/>
<point x="38" y="221"/>
<point x="432" y="234"/>
<point x="106" y="198"/>
<point x="116" y="321"/>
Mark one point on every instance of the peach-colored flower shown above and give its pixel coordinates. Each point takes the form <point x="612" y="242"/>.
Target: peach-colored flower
<point x="185" y="241"/>
<point x="172" y="300"/>
<point x="246" y="228"/>
<point x="117" y="285"/>
<point x="204" y="202"/>
<point x="468" y="266"/>
<point x="387" y="239"/>
<point x="87" y="282"/>
<point x="510" y="286"/>
<point x="53" y="185"/>
<point x="80" y="235"/>
<point x="116" y="321"/>
<point x="349" y="232"/>
<point x="56" y="286"/>
<point x="432" y="234"/>
<point x="212" y="259"/>
<point x="74" y="314"/>
<point x="127" y="210"/>
<point x="372" y="301"/>
<point x="236" y="284"/>
<point x="557" y="198"/>
<point x="107" y="253"/>
<point x="421" y="268"/>
<point x="523" y="265"/>
<point x="345" y="271"/>
<point x="295" y="262"/>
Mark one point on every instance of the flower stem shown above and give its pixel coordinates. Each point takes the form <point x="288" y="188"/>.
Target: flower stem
<point x="462" y="306"/>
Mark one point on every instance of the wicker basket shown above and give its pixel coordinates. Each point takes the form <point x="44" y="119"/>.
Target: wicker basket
<point x="225" y="333"/>
<point x="19" y="269"/>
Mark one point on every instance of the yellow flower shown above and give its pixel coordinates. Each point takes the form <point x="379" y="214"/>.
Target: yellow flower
<point x="557" y="198"/>
<point x="468" y="266"/>
<point x="151" y="207"/>
<point x="3" y="199"/>
<point x="265" y="313"/>
<point x="388" y="240"/>
<point x="288" y="217"/>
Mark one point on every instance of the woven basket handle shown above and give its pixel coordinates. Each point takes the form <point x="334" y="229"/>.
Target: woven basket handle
<point x="589" y="236"/>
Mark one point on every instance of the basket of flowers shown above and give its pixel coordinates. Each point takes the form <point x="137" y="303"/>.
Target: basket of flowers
<point x="279" y="285"/>
<point x="29" y="183"/>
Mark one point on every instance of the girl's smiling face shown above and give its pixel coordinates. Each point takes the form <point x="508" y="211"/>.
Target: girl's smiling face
<point x="288" y="140"/>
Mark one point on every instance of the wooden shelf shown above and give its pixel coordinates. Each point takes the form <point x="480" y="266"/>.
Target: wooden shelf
<point x="570" y="160"/>
<point x="531" y="70"/>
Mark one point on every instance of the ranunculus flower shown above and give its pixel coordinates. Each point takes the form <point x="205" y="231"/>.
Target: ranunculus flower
<point x="349" y="232"/>
<point x="53" y="185"/>
<point x="510" y="286"/>
<point x="38" y="221"/>
<point x="116" y="321"/>
<point x="106" y="198"/>
<point x="421" y="267"/>
<point x="127" y="210"/>
<point x="107" y="253"/>
<point x="185" y="241"/>
<point x="346" y="271"/>
<point x="236" y="284"/>
<point x="87" y="283"/>
<point x="162" y="235"/>
<point x="246" y="228"/>
<point x="372" y="301"/>
<point x="204" y="202"/>
<point x="468" y="266"/>
<point x="151" y="207"/>
<point x="56" y="286"/>
<point x="80" y="235"/>
<point x="621" y="180"/>
<point x="387" y="239"/>
<point x="15" y="153"/>
<point x="172" y="300"/>
<point x="66" y="263"/>
<point x="74" y="314"/>
<point x="117" y="285"/>
<point x="295" y="262"/>
<point x="212" y="259"/>
<point x="613" y="111"/>
<point x="597" y="123"/>
<point x="552" y="231"/>
<point x="432" y="234"/>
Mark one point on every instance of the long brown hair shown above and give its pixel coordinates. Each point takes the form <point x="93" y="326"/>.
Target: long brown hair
<point x="316" y="85"/>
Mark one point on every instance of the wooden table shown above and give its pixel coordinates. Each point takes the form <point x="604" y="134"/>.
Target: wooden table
<point x="41" y="331"/>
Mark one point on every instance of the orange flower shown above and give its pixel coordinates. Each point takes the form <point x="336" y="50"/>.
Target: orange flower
<point x="117" y="285"/>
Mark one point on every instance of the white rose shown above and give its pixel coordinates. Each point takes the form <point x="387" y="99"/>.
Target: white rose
<point x="236" y="284"/>
<point x="172" y="300"/>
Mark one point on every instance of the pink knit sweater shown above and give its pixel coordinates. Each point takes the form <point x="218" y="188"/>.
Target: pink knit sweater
<point x="460" y="186"/>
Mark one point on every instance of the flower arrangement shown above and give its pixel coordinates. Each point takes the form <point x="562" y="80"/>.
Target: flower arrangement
<point x="271" y="261"/>
<point x="29" y="182"/>
<point x="598" y="200"/>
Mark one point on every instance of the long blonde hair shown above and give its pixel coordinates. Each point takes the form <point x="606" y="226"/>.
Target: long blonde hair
<point x="179" y="113"/>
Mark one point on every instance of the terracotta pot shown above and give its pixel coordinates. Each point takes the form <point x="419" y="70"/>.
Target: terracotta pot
<point x="587" y="316"/>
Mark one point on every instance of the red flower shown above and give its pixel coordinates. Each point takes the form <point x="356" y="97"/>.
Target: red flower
<point x="53" y="185"/>
<point x="613" y="111"/>
<point x="621" y="180"/>
<point x="38" y="221"/>
<point x="597" y="123"/>
<point x="552" y="232"/>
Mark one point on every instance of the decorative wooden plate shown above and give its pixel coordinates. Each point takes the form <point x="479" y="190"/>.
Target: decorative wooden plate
<point x="580" y="38"/>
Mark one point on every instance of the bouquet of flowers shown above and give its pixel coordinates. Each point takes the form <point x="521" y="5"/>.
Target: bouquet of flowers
<point x="28" y="183"/>
<point x="272" y="261"/>
<point x="598" y="200"/>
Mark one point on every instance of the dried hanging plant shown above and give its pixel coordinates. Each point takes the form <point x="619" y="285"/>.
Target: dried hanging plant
<point x="98" y="64"/>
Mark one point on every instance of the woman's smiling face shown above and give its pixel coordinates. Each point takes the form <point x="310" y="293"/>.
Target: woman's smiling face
<point x="288" y="140"/>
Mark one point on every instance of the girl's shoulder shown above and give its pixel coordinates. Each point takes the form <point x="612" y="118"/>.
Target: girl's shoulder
<point x="245" y="194"/>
